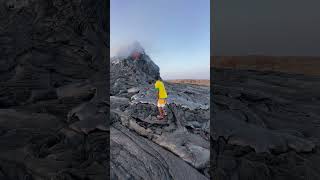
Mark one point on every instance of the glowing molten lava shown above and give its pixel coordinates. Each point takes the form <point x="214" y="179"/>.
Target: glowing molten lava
<point x="135" y="55"/>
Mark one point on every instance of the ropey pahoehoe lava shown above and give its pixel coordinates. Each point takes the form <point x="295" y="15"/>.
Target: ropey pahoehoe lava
<point x="141" y="146"/>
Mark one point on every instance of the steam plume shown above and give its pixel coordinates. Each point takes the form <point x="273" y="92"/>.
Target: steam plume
<point x="126" y="51"/>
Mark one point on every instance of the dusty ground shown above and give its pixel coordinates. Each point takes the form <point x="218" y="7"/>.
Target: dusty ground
<point x="290" y="64"/>
<point x="191" y="81"/>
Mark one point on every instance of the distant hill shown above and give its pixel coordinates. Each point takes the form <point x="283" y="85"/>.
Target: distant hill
<point x="201" y="82"/>
<point x="291" y="64"/>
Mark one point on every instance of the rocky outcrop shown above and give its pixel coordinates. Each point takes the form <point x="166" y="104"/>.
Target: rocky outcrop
<point x="264" y="125"/>
<point x="53" y="90"/>
<point x="127" y="73"/>
<point x="175" y="148"/>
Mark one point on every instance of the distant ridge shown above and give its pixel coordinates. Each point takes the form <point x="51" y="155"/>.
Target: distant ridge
<point x="307" y="65"/>
<point x="201" y="82"/>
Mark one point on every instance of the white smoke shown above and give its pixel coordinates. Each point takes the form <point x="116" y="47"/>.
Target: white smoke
<point x="126" y="51"/>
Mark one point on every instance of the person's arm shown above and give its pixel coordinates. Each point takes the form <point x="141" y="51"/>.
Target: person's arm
<point x="157" y="91"/>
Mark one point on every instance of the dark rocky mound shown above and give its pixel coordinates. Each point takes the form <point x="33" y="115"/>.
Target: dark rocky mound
<point x="53" y="92"/>
<point x="128" y="73"/>
<point x="265" y="125"/>
<point x="143" y="147"/>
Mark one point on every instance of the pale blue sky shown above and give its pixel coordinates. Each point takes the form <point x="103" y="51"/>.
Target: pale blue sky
<point x="174" y="33"/>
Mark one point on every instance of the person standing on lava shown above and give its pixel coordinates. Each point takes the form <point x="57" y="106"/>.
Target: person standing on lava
<point x="161" y="97"/>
